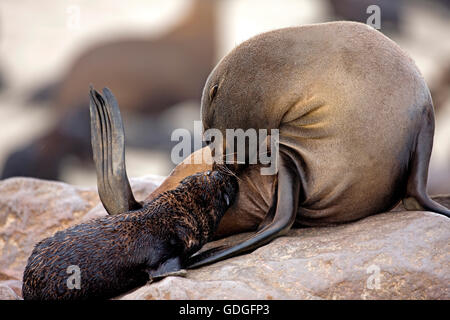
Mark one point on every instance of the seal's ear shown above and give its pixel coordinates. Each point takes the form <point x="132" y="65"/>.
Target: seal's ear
<point x="108" y="147"/>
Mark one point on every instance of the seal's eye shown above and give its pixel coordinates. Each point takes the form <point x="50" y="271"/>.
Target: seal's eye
<point x="227" y="199"/>
<point x="213" y="92"/>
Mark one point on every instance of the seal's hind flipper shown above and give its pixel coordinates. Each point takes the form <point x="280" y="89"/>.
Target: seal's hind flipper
<point x="179" y="273"/>
<point x="196" y="258"/>
<point x="416" y="197"/>
<point x="108" y="147"/>
<point x="170" y="267"/>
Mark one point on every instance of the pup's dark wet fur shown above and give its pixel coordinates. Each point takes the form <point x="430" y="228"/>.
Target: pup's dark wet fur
<point x="120" y="252"/>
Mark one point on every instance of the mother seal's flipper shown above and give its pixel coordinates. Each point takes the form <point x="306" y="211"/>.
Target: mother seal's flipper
<point x="416" y="196"/>
<point x="108" y="147"/>
<point x="286" y="210"/>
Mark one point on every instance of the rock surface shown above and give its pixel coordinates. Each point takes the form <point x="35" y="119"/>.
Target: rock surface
<point x="395" y="255"/>
<point x="407" y="250"/>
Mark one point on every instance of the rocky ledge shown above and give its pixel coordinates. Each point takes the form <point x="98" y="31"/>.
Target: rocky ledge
<point x="393" y="255"/>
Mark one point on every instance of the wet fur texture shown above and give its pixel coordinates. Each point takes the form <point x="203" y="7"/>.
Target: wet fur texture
<point x="117" y="253"/>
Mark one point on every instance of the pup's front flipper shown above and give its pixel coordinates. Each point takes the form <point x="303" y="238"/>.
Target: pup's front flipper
<point x="108" y="146"/>
<point x="171" y="267"/>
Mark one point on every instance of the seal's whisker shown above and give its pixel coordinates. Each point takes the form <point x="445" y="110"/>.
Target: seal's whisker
<point x="224" y="169"/>
<point x="228" y="171"/>
<point x="229" y="154"/>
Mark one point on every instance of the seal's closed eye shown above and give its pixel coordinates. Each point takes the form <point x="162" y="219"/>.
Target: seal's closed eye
<point x="213" y="92"/>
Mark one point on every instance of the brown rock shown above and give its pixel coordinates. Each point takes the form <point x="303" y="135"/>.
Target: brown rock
<point x="408" y="250"/>
<point x="11" y="290"/>
<point x="6" y="293"/>
<point x="32" y="209"/>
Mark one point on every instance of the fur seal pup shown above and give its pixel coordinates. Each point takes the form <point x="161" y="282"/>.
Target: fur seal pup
<point x="119" y="252"/>
<point x="355" y="120"/>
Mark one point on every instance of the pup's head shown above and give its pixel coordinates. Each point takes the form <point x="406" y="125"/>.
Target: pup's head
<point x="218" y="187"/>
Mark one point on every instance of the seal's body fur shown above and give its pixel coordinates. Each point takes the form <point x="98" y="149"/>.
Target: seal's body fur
<point x="352" y="109"/>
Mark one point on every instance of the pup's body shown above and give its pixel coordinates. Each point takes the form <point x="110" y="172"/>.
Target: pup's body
<point x="119" y="252"/>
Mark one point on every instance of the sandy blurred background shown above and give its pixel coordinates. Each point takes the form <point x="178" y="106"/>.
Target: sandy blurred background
<point x="51" y="50"/>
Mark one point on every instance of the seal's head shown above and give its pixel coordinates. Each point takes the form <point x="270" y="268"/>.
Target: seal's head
<point x="250" y="88"/>
<point x="246" y="84"/>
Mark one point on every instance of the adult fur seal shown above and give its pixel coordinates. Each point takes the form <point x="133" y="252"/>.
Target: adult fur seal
<point x="355" y="120"/>
<point x="119" y="252"/>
